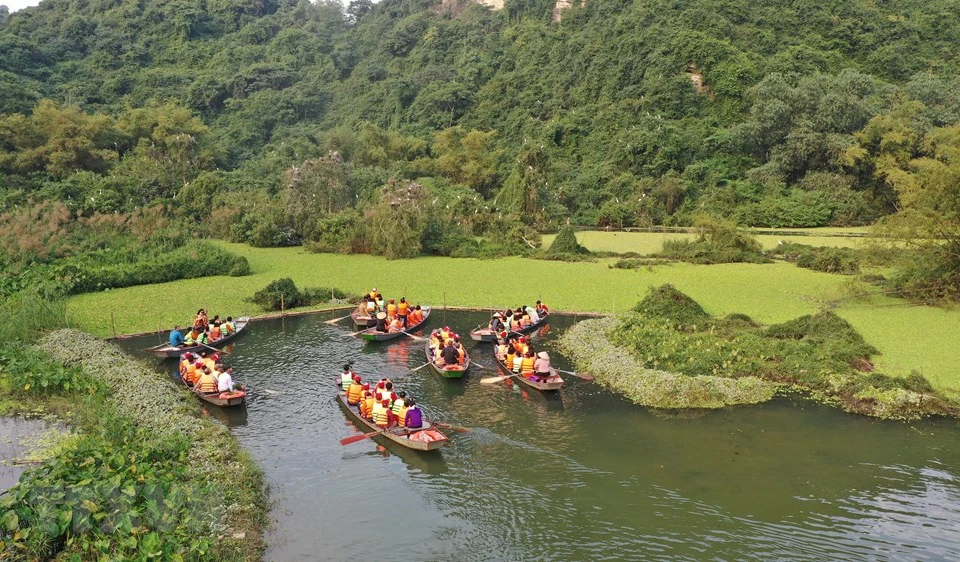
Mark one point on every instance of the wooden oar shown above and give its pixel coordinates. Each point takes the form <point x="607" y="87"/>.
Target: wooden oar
<point x="420" y="367"/>
<point x="355" y="438"/>
<point x="490" y="380"/>
<point x="418" y="338"/>
<point x="355" y="333"/>
<point x="335" y="320"/>
<point x="457" y="428"/>
<point x="472" y="362"/>
<point x="584" y="377"/>
<point x="214" y="349"/>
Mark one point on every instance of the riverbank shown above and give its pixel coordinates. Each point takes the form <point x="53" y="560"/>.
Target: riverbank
<point x="147" y="474"/>
<point x="908" y="337"/>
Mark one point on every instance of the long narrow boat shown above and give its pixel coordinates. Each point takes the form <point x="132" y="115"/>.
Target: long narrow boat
<point x="371" y="334"/>
<point x="167" y="350"/>
<point x="426" y="438"/>
<point x="447" y="371"/>
<point x="554" y="382"/>
<point x="223" y="399"/>
<point x="488" y="335"/>
<point x="363" y="320"/>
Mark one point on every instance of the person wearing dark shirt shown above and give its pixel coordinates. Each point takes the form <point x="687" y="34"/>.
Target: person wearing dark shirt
<point x="450" y="354"/>
<point x="382" y="322"/>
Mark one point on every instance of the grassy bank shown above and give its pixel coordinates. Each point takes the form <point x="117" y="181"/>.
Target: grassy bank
<point x="147" y="477"/>
<point x="908" y="337"/>
<point x="646" y="243"/>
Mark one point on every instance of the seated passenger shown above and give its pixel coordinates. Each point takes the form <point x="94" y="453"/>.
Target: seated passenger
<point x="355" y="392"/>
<point x="413" y="418"/>
<point x="526" y="365"/>
<point x="207" y="384"/>
<point x="225" y="381"/>
<point x="366" y="403"/>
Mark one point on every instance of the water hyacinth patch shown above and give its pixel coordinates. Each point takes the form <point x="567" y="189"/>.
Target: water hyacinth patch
<point x="587" y="345"/>
<point x="149" y="478"/>
<point x="818" y="353"/>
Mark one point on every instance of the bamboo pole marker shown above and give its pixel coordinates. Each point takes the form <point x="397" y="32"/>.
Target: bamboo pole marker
<point x="113" y="324"/>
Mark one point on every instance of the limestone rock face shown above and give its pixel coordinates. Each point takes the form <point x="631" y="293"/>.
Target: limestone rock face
<point x="562" y="5"/>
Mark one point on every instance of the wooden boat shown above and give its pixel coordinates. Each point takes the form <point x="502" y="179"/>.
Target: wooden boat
<point x="555" y="382"/>
<point x="371" y="334"/>
<point x="223" y="399"/>
<point x="488" y="335"/>
<point x="426" y="438"/>
<point x="447" y="371"/>
<point x="166" y="350"/>
<point x="363" y="321"/>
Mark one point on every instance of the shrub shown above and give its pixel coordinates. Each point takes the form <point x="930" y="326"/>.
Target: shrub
<point x="668" y="303"/>
<point x="566" y="243"/>
<point x="830" y="260"/>
<point x="719" y="242"/>
<point x="283" y="294"/>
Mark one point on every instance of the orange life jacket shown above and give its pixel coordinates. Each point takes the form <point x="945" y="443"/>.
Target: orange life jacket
<point x="403" y="308"/>
<point x="215" y="332"/>
<point x="366" y="407"/>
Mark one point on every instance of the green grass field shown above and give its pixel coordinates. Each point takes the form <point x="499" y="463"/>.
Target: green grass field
<point x="646" y="243"/>
<point x="908" y="337"/>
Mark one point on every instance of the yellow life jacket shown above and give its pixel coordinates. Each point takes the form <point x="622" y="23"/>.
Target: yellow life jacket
<point x="397" y="405"/>
<point x="509" y="358"/>
<point x="526" y="366"/>
<point x="366" y="407"/>
<point x="207" y="383"/>
<point x="403" y="416"/>
<point x="517" y="361"/>
<point x="391" y="309"/>
<point x="354" y="394"/>
<point x="381" y="415"/>
<point x="402" y="308"/>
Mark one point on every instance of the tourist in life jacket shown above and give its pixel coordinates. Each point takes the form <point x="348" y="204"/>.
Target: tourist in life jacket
<point x="502" y="349"/>
<point x="356" y="391"/>
<point x="395" y="325"/>
<point x="413" y="418"/>
<point x="383" y="417"/>
<point x="366" y="403"/>
<point x="515" y="323"/>
<point x="542" y="368"/>
<point x="517" y="362"/>
<point x="225" y="380"/>
<point x="415" y="316"/>
<point x="526" y="365"/>
<point x="200" y="322"/>
<point x="372" y="307"/>
<point x="215" y="332"/>
<point x="185" y="361"/>
<point x="228" y="327"/>
<point x="403" y="310"/>
<point x="542" y="309"/>
<point x="461" y="353"/>
<point x="398" y="404"/>
<point x="391" y="309"/>
<point x="207" y="383"/>
<point x="346" y="377"/>
<point x="382" y="322"/>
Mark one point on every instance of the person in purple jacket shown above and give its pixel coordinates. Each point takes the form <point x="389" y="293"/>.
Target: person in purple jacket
<point x="414" y="418"/>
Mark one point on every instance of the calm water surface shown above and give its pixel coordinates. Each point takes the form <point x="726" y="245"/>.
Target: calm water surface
<point x="582" y="474"/>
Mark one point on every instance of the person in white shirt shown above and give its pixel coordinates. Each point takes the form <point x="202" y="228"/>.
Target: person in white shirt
<point x="225" y="381"/>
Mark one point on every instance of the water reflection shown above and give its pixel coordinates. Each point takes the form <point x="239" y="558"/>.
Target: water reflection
<point x="580" y="473"/>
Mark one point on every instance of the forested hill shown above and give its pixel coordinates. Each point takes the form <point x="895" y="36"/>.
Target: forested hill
<point x="775" y="112"/>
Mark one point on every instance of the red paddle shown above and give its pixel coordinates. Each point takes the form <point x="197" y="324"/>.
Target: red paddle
<point x="355" y="438"/>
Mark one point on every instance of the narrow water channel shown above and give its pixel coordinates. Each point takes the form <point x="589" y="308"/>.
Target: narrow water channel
<point x="579" y="475"/>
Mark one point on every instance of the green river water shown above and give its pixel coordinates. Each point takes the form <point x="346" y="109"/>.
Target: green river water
<point x="579" y="475"/>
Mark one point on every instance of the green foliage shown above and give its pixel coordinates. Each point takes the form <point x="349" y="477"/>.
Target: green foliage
<point x="394" y="227"/>
<point x="822" y="353"/>
<point x="146" y="478"/>
<point x="845" y="261"/>
<point x="29" y="371"/>
<point x="796" y="209"/>
<point x="566" y="243"/>
<point x="720" y="241"/>
<point x="27" y="312"/>
<point x="667" y="303"/>
<point x="283" y="294"/>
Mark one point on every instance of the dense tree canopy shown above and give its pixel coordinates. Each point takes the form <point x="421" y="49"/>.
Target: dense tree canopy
<point x="769" y="113"/>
